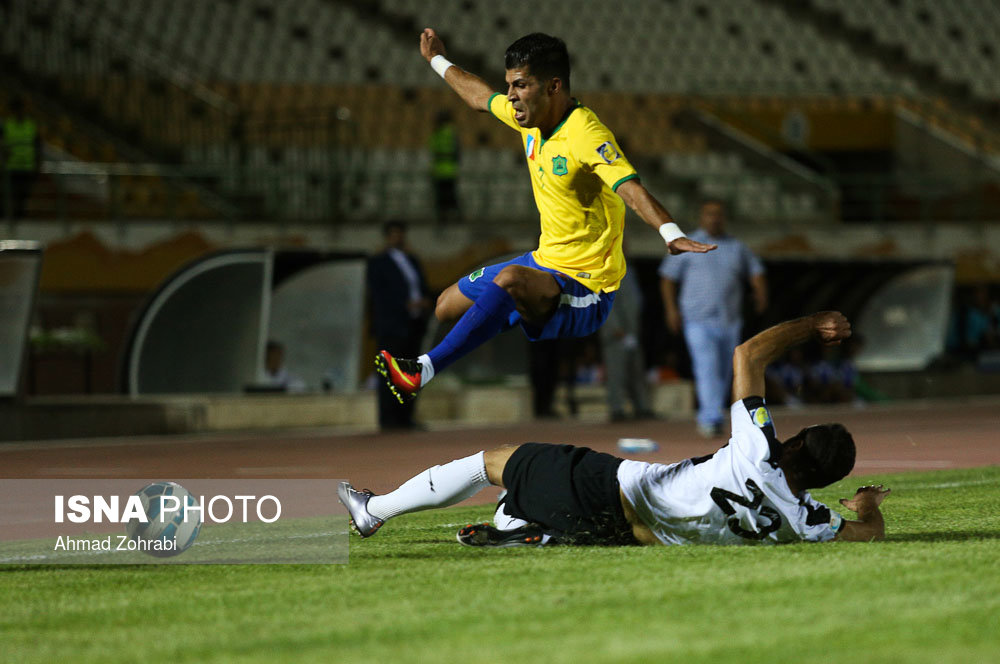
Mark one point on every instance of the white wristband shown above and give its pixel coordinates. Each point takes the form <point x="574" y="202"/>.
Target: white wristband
<point x="440" y="64"/>
<point x="670" y="232"/>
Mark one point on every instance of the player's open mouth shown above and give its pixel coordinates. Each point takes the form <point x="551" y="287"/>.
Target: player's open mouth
<point x="519" y="115"/>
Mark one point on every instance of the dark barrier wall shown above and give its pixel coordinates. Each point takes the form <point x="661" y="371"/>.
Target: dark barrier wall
<point x="205" y="330"/>
<point x="202" y="332"/>
<point x="20" y="265"/>
<point x="905" y="322"/>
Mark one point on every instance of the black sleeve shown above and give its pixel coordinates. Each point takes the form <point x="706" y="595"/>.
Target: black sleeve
<point x="764" y="423"/>
<point x="816" y="516"/>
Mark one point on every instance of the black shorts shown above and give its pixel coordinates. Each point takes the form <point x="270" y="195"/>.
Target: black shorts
<point x="572" y="492"/>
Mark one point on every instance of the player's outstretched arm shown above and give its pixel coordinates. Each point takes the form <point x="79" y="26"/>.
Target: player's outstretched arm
<point x="473" y="90"/>
<point x="653" y="213"/>
<point x="870" y="525"/>
<point x="753" y="355"/>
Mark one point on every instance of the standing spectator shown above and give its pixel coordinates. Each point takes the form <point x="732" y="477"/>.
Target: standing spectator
<point x="544" y="359"/>
<point x="708" y="308"/>
<point x="398" y="295"/>
<point x="21" y="156"/>
<point x="624" y="364"/>
<point x="444" y="167"/>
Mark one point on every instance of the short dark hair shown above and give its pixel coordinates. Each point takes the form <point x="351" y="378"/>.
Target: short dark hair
<point x="712" y="200"/>
<point x="393" y="225"/>
<point x="827" y="455"/>
<point x="545" y="56"/>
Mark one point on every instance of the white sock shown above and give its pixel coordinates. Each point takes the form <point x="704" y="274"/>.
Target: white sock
<point x="503" y="520"/>
<point x="426" y="369"/>
<point x="438" y="486"/>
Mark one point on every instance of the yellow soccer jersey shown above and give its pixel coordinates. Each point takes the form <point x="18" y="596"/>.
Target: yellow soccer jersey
<point x="574" y="175"/>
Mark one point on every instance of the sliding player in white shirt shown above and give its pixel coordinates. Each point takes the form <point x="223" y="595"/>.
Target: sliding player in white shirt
<point x="752" y="490"/>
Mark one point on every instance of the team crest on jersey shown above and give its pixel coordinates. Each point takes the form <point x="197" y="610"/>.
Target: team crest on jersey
<point x="761" y="417"/>
<point x="529" y="147"/>
<point x="608" y="152"/>
<point x="559" y="166"/>
<point x="478" y="273"/>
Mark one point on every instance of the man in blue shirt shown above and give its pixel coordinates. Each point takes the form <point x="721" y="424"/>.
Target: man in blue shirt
<point x="704" y="298"/>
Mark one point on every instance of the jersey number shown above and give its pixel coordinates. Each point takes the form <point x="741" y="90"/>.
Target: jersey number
<point x="724" y="499"/>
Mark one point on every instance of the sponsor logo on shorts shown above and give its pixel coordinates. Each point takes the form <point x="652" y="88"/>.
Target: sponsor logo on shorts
<point x="608" y="152"/>
<point x="761" y="417"/>
<point x="478" y="273"/>
<point x="559" y="165"/>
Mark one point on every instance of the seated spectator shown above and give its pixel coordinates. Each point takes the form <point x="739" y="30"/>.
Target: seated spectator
<point x="786" y="379"/>
<point x="275" y="373"/>
<point x="975" y="323"/>
<point x="834" y="377"/>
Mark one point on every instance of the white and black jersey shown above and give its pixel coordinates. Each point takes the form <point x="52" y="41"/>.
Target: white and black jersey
<point x="736" y="496"/>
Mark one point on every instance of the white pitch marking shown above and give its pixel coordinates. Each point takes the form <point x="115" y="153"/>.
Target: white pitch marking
<point x="889" y="463"/>
<point x="78" y="471"/>
<point x="78" y="554"/>
<point x="947" y="485"/>
<point x="275" y="470"/>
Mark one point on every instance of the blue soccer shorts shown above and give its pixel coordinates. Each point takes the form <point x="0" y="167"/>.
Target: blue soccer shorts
<point x="580" y="313"/>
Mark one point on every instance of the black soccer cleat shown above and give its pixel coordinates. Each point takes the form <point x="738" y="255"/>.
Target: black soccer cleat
<point x="483" y="534"/>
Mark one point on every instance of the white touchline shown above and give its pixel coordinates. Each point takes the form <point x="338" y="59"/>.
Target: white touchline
<point x="946" y="485"/>
<point x="900" y="463"/>
<point x="16" y="559"/>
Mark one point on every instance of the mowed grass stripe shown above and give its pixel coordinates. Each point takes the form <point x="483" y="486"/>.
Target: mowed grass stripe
<point x="930" y="593"/>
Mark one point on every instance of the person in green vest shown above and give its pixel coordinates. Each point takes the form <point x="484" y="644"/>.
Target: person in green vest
<point x="444" y="167"/>
<point x="20" y="154"/>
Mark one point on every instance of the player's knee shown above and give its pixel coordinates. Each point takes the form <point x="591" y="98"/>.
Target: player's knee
<point x="451" y="304"/>
<point x="496" y="460"/>
<point x="512" y="279"/>
<point x="441" y="307"/>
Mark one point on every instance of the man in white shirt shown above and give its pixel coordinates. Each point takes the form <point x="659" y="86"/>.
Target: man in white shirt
<point x="752" y="490"/>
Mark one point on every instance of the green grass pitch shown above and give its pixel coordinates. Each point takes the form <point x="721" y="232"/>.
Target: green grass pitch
<point x="930" y="593"/>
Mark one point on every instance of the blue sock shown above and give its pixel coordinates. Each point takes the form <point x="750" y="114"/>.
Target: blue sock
<point x="485" y="319"/>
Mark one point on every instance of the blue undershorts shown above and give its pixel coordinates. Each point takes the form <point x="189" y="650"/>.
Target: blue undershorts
<point x="580" y="313"/>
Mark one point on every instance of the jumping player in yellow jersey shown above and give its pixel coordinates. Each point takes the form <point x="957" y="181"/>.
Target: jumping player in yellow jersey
<point x="580" y="179"/>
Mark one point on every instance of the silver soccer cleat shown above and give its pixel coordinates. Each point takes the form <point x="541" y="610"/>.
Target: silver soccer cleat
<point x="362" y="522"/>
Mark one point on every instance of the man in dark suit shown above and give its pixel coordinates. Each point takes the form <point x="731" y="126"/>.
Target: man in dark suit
<point x="399" y="304"/>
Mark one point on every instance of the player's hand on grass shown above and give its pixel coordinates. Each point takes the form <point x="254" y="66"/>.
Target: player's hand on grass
<point x="682" y="244"/>
<point x="430" y="44"/>
<point x="831" y="327"/>
<point x="866" y="499"/>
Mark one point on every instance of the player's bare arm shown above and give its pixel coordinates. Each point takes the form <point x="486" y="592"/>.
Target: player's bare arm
<point x="637" y="197"/>
<point x="752" y="356"/>
<point x="870" y="525"/>
<point x="473" y="90"/>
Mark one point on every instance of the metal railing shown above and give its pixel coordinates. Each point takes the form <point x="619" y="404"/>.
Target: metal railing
<point x="346" y="189"/>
